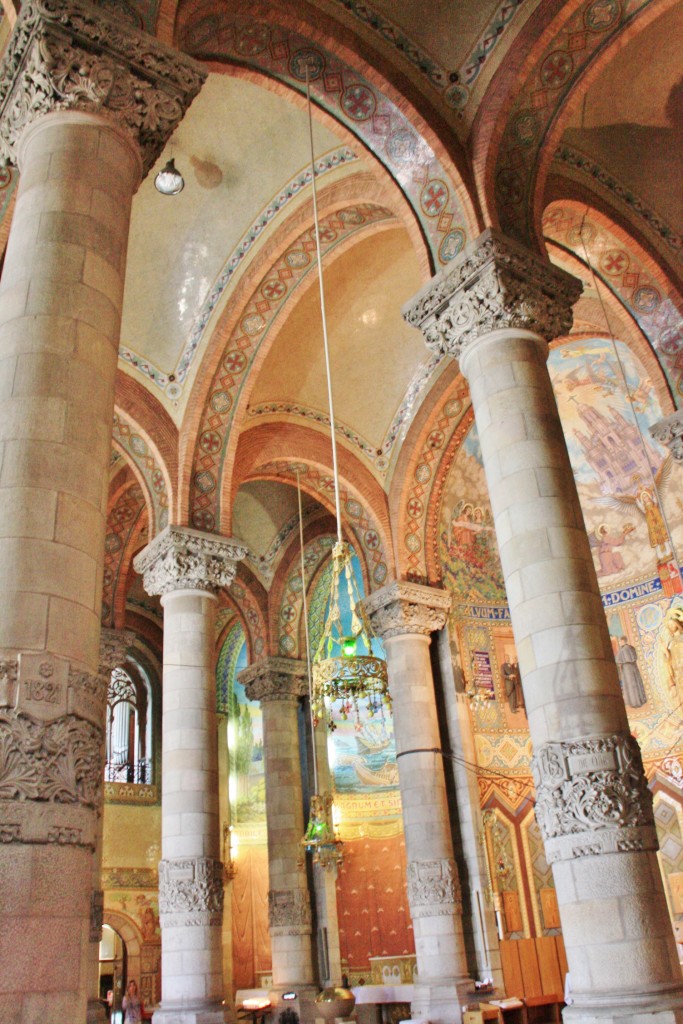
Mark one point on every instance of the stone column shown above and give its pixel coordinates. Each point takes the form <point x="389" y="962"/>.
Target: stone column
<point x="85" y="108"/>
<point x="278" y="683"/>
<point x="496" y="310"/>
<point x="187" y="568"/>
<point x="114" y="644"/>
<point x="405" y="615"/>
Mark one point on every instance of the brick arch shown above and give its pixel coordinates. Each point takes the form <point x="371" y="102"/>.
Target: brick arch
<point x="132" y="936"/>
<point x="635" y="279"/>
<point x="142" y="454"/>
<point x="267" y="35"/>
<point x="251" y="603"/>
<point x="127" y="521"/>
<point x="209" y="441"/>
<point x="558" y="54"/>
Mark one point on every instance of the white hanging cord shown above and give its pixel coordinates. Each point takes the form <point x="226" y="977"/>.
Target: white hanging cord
<point x="335" y="469"/>
<point x="622" y="370"/>
<point x="308" y="645"/>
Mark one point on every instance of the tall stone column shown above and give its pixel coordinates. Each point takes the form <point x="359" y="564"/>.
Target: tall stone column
<point x="496" y="310"/>
<point x="278" y="684"/>
<point x="405" y="615"/>
<point x="187" y="568"/>
<point x="85" y="108"/>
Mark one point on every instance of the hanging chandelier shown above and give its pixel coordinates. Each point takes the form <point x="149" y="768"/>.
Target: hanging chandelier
<point x="345" y="671"/>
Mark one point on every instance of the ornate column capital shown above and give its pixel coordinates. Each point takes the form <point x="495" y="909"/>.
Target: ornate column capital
<point x="495" y="283"/>
<point x="190" y="891"/>
<point x="275" y="679"/>
<point x="669" y="431"/>
<point x="434" y="888"/>
<point x="404" y="609"/>
<point x="592" y="797"/>
<point x="70" y="55"/>
<point x="113" y="646"/>
<point x="180" y="558"/>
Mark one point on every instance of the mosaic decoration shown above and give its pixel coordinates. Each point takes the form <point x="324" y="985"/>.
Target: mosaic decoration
<point x="626" y="274"/>
<point x="357" y="517"/>
<point x="264" y="565"/>
<point x="353" y="100"/>
<point x="289" y="618"/>
<point x="147" y="464"/>
<point x="174" y="387"/>
<point x="233" y="647"/>
<point x="223" y="616"/>
<point x="247" y="604"/>
<point x="123" y="522"/>
<point x="247" y="785"/>
<point x="585" y="34"/>
<point x="246" y="339"/>
<point x="588" y="168"/>
<point x="317" y="605"/>
<point x="445" y="433"/>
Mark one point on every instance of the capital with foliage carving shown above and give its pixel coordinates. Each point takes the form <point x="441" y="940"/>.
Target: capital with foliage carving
<point x="669" y="431"/>
<point x="181" y="558"/>
<point x="275" y="679"/>
<point x="407" y="609"/>
<point x="71" y="55"/>
<point x="114" y="644"/>
<point x="495" y="283"/>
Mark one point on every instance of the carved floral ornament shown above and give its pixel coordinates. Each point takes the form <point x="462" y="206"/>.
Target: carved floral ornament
<point x="433" y="888"/>
<point x="592" y="798"/>
<point x="289" y="911"/>
<point x="69" y="55"/>
<point x="275" y="679"/>
<point x="180" y="558"/>
<point x="494" y="284"/>
<point x="114" y="644"/>
<point x="190" y="891"/>
<point x="404" y="609"/>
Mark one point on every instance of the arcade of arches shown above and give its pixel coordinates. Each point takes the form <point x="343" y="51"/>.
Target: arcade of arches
<point x="501" y="227"/>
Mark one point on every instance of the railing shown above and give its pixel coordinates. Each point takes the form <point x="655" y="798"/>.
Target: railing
<point x="128" y="771"/>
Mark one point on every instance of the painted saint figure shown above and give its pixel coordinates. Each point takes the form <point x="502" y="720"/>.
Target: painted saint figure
<point x="629" y="675"/>
<point x="513" y="685"/>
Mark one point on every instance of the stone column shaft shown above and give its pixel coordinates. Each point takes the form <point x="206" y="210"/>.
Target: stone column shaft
<point x="404" y="615"/>
<point x="186" y="568"/>
<point x="496" y="309"/>
<point x="278" y="683"/>
<point x="76" y="94"/>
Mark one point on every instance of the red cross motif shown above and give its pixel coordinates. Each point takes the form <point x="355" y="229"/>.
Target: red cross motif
<point x="327" y="235"/>
<point x="203" y="520"/>
<point x="273" y="290"/>
<point x="371" y="540"/>
<point x="288" y="613"/>
<point x="157" y="480"/>
<point x="358" y="102"/>
<point x="435" y="439"/>
<point x="434" y="198"/>
<point x="414" y="508"/>
<point x="210" y="442"/>
<point x="556" y="69"/>
<point x="614" y="262"/>
<point x="234" y="362"/>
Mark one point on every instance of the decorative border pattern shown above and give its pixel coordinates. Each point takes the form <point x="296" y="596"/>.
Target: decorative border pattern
<point x="246" y="601"/>
<point x="137" y="449"/>
<point x="225" y="668"/>
<point x="123" y="519"/>
<point x="174" y="388"/>
<point x="291" y="605"/>
<point x="267" y="300"/>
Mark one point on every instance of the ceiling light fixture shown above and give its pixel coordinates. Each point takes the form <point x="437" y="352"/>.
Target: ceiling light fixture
<point x="169" y="181"/>
<point x="345" y="671"/>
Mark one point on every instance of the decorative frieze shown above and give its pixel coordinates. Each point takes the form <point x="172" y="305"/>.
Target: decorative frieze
<point x="130" y="878"/>
<point x="407" y="609"/>
<point x="70" y="55"/>
<point x="669" y="431"/>
<point x="592" y="797"/>
<point x="289" y="911"/>
<point x="96" y="914"/>
<point x="494" y="283"/>
<point x="180" y="558"/>
<point x="275" y="679"/>
<point x="190" y="891"/>
<point x="434" y="888"/>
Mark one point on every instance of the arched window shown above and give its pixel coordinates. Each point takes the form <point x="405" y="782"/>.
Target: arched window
<point x="129" y="727"/>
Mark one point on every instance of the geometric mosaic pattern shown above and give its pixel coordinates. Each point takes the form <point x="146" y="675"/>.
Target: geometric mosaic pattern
<point x="226" y="668"/>
<point x="123" y="521"/>
<point x="289" y="619"/>
<point x="149" y="468"/>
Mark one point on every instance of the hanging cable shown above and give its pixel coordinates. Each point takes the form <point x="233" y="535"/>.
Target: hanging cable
<point x="307" y="640"/>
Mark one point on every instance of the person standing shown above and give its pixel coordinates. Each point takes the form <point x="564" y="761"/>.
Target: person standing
<point x="629" y="675"/>
<point x="132" y="1005"/>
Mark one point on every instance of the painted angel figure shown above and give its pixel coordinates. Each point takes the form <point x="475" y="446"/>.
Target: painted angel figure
<point x="646" y="502"/>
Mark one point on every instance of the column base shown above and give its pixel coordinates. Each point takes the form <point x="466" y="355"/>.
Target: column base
<point x="663" y="1007"/>
<point x="204" y="1013"/>
<point x="441" y="1002"/>
<point x="304" y="1005"/>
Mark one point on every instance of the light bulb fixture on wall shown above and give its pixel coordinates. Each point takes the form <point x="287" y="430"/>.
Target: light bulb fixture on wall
<point x="169" y="181"/>
<point x="345" y="671"/>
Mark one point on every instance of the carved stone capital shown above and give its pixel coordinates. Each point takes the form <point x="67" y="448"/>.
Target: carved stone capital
<point x="434" y="888"/>
<point x="190" y="891"/>
<point x="114" y="644"/>
<point x="275" y="679"/>
<point x="289" y="912"/>
<point x="71" y="55"/>
<point x="96" y="914"/>
<point x="669" y="431"/>
<point x="180" y="558"/>
<point x="592" y="797"/>
<point x="405" y="609"/>
<point x="495" y="283"/>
